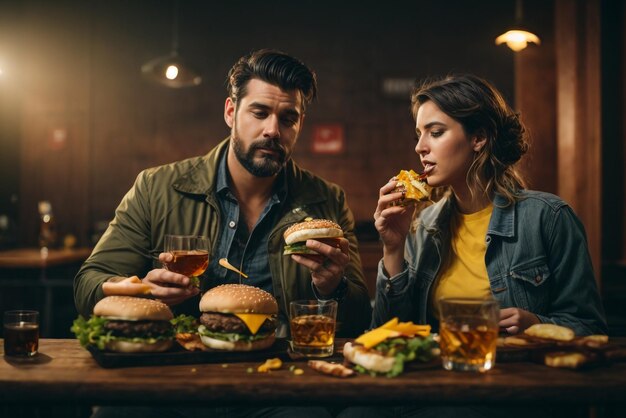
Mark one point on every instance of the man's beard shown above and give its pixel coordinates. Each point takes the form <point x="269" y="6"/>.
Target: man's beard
<point x="265" y="166"/>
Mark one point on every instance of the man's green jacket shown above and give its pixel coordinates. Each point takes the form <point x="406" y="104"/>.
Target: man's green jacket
<point x="179" y="198"/>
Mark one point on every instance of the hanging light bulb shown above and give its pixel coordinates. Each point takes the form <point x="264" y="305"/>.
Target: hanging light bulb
<point x="518" y="37"/>
<point x="171" y="70"/>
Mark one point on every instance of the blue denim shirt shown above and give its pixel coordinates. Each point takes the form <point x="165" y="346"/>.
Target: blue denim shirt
<point x="537" y="260"/>
<point x="246" y="250"/>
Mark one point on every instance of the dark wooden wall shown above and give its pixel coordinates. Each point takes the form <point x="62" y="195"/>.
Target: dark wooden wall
<point x="80" y="74"/>
<point x="77" y="76"/>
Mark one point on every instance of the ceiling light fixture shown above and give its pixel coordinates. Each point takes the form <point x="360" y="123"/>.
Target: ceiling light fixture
<point x="518" y="37"/>
<point x="171" y="70"/>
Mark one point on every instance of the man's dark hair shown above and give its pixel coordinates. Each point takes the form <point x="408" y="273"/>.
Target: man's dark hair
<point x="273" y="67"/>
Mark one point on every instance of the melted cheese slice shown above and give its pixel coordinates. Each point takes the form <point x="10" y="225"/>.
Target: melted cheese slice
<point x="376" y="336"/>
<point x="252" y="321"/>
<point x="392" y="329"/>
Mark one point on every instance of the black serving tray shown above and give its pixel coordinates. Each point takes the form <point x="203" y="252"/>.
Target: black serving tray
<point x="178" y="355"/>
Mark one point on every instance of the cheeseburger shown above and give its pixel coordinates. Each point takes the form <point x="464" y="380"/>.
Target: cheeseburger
<point x="413" y="186"/>
<point x="237" y="317"/>
<point x="321" y="230"/>
<point x="386" y="349"/>
<point x="128" y="325"/>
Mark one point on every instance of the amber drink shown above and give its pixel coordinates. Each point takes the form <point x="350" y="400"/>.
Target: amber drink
<point x="190" y="255"/>
<point x="190" y="263"/>
<point x="313" y="325"/>
<point x="468" y="331"/>
<point x="21" y="333"/>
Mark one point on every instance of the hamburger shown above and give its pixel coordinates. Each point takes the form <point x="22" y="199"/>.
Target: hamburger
<point x="127" y="324"/>
<point x="323" y="230"/>
<point x="237" y="317"/>
<point x="413" y="186"/>
<point x="386" y="349"/>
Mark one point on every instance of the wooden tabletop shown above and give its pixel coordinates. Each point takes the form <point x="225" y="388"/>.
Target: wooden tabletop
<point x="36" y="258"/>
<point x="65" y="372"/>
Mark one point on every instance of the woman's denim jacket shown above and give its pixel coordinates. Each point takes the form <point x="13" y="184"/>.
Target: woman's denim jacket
<point x="537" y="260"/>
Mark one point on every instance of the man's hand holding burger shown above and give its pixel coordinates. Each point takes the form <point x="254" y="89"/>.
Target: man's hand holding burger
<point x="327" y="273"/>
<point x="319" y="245"/>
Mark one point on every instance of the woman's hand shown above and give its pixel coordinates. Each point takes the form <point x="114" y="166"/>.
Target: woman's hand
<point x="515" y="320"/>
<point x="392" y="224"/>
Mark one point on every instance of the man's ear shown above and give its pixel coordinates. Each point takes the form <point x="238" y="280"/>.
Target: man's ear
<point x="478" y="142"/>
<point x="229" y="112"/>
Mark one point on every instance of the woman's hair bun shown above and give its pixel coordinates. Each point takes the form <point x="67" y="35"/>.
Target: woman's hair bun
<point x="512" y="141"/>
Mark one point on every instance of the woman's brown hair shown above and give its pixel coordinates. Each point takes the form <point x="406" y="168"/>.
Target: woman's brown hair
<point x="483" y="112"/>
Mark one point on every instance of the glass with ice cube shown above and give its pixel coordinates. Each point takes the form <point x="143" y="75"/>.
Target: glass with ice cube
<point x="468" y="331"/>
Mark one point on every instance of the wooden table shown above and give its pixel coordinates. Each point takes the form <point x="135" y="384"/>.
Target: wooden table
<point x="66" y="373"/>
<point x="36" y="258"/>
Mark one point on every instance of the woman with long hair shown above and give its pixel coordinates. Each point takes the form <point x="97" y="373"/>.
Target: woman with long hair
<point x="488" y="236"/>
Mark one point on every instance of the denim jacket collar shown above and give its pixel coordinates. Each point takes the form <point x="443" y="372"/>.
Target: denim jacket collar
<point x="502" y="219"/>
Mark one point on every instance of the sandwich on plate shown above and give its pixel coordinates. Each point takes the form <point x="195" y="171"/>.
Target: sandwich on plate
<point x="385" y="350"/>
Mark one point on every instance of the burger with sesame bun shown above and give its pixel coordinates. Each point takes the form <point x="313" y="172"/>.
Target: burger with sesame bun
<point x="323" y="230"/>
<point x="238" y="317"/>
<point x="127" y="324"/>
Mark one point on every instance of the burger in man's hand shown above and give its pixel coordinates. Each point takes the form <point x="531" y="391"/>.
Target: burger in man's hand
<point x="127" y="324"/>
<point x="413" y="186"/>
<point x="238" y="317"/>
<point x="323" y="230"/>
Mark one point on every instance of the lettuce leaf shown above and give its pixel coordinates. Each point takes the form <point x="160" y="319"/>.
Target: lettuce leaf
<point x="226" y="336"/>
<point x="403" y="350"/>
<point x="185" y="324"/>
<point x="92" y="332"/>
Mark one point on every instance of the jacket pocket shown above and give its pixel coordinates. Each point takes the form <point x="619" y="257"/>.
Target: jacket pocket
<point x="529" y="287"/>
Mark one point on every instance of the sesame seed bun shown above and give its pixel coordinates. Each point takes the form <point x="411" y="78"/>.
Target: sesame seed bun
<point x="121" y="346"/>
<point x="238" y="298"/>
<point x="316" y="228"/>
<point x="128" y="308"/>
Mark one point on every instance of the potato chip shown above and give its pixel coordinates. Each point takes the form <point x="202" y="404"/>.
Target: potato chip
<point x="550" y="332"/>
<point x="565" y="359"/>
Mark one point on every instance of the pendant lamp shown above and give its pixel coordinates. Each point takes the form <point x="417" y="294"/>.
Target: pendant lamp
<point x="171" y="70"/>
<point x="518" y="37"/>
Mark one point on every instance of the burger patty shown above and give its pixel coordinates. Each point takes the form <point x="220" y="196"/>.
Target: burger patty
<point x="143" y="329"/>
<point x="230" y="323"/>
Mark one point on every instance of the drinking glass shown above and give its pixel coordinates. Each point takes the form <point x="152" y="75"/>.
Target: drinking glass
<point x="21" y="333"/>
<point x="313" y="324"/>
<point x="190" y="254"/>
<point x="468" y="332"/>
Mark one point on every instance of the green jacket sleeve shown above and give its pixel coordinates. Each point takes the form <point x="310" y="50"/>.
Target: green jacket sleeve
<point x="122" y="250"/>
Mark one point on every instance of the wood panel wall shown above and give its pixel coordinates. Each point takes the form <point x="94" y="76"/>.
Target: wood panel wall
<point x="82" y="59"/>
<point x="579" y="131"/>
<point x="80" y="75"/>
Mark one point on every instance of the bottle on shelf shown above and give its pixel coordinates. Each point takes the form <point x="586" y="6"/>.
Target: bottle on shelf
<point x="47" y="225"/>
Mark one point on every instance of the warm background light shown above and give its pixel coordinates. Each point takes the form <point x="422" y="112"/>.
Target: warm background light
<point x="517" y="39"/>
<point x="171" y="72"/>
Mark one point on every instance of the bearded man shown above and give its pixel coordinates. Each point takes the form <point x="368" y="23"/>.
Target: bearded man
<point x="243" y="195"/>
